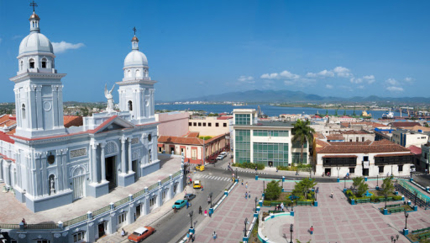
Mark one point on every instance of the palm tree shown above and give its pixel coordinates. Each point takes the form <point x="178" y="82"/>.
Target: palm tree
<point x="302" y="133"/>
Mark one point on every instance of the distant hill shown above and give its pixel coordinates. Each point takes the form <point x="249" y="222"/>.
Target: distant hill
<point x="281" y="96"/>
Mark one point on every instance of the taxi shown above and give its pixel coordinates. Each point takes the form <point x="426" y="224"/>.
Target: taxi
<point x="197" y="184"/>
<point x="200" y="167"/>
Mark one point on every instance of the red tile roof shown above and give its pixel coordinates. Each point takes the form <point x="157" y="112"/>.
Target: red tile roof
<point x="340" y="156"/>
<point x="374" y="147"/>
<point x="415" y="150"/>
<point x="335" y="137"/>
<point x="192" y="135"/>
<point x="70" y="121"/>
<point x="392" y="155"/>
<point x="344" y="124"/>
<point x="373" y="124"/>
<point x="405" y="124"/>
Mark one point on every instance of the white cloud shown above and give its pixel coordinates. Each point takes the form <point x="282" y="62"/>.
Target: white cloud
<point x="409" y="80"/>
<point x="395" y="89"/>
<point x="246" y="79"/>
<point x="342" y="72"/>
<point x="324" y="73"/>
<point x="311" y="75"/>
<point x="286" y="82"/>
<point x="60" y="47"/>
<point x="329" y="86"/>
<point x="369" y="78"/>
<point x="361" y="87"/>
<point x="392" y="82"/>
<point x="282" y="75"/>
<point x="356" y="80"/>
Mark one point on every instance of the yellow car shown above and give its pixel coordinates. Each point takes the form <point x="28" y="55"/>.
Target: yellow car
<point x="200" y="167"/>
<point x="197" y="184"/>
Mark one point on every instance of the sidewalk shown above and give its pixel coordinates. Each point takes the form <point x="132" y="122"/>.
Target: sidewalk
<point x="145" y="220"/>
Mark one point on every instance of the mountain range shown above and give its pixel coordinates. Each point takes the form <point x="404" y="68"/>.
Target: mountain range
<point x="281" y="96"/>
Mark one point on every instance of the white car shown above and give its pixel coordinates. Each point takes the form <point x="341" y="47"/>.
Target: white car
<point x="220" y="157"/>
<point x="223" y="154"/>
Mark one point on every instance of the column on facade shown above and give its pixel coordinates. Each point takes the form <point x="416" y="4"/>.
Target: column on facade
<point x="1" y="169"/>
<point x="94" y="162"/>
<point x="135" y="104"/>
<point x="60" y="108"/>
<point x="55" y="104"/>
<point x="123" y="161"/>
<point x="39" y="111"/>
<point x="64" y="167"/>
<point x="29" y="175"/>
<point x="7" y="179"/>
<point x="32" y="117"/>
<point x="44" y="180"/>
<point x="28" y="119"/>
<point x="152" y="106"/>
<point x="102" y="162"/>
<point x="17" y="108"/>
<point x="36" y="175"/>
<point x="130" y="157"/>
<point x="59" y="169"/>
<point x="18" y="168"/>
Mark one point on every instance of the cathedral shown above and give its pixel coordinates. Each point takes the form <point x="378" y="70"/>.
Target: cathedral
<point x="47" y="164"/>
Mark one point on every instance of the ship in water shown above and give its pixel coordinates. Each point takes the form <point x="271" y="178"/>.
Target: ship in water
<point x="388" y="115"/>
<point x="239" y="104"/>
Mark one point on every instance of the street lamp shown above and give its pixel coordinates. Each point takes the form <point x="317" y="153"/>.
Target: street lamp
<point x="191" y="218"/>
<point x="377" y="177"/>
<point x="264" y="186"/>
<point x="236" y="173"/>
<point x="316" y="192"/>
<point x="406" y="220"/>
<point x="416" y="196"/>
<point x="338" y="168"/>
<point x="344" y="182"/>
<point x="291" y="233"/>
<point x="210" y="195"/>
<point x="244" y="231"/>
<point x="283" y="183"/>
<point x="256" y="200"/>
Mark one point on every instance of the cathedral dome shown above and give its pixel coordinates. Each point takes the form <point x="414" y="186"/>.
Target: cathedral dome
<point x="135" y="58"/>
<point x="35" y="42"/>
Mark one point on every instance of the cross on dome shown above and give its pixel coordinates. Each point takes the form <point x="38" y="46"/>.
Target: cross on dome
<point x="134" y="30"/>
<point x="33" y="4"/>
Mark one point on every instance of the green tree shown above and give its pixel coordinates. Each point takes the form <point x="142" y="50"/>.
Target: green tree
<point x="360" y="186"/>
<point x="302" y="187"/>
<point x="273" y="190"/>
<point x="386" y="188"/>
<point x="302" y="133"/>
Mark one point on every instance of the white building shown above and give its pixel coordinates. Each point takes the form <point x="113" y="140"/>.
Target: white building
<point x="48" y="165"/>
<point x="407" y="138"/>
<point x="362" y="158"/>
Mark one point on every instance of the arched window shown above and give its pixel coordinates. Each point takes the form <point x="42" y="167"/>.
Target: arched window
<point x="138" y="73"/>
<point x="22" y="65"/>
<point x="31" y="61"/>
<point x="130" y="105"/>
<point x="129" y="73"/>
<point x="23" y="111"/>
<point x="43" y="62"/>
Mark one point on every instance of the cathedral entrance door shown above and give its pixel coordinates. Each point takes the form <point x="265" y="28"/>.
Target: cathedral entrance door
<point x="78" y="183"/>
<point x="135" y="169"/>
<point x="111" y="172"/>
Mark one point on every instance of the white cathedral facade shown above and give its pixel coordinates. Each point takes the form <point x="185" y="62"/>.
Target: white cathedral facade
<point x="48" y="165"/>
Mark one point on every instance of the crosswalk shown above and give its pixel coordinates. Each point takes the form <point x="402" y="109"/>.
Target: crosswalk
<point x="247" y="171"/>
<point x="217" y="178"/>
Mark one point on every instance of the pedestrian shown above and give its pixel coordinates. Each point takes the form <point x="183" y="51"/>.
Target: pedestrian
<point x="249" y="195"/>
<point x="206" y="212"/>
<point x="214" y="235"/>
<point x="312" y="230"/>
<point x="200" y="210"/>
<point x="256" y="169"/>
<point x="276" y="169"/>
<point x="242" y="182"/>
<point x="122" y="232"/>
<point x="193" y="237"/>
<point x="210" y="214"/>
<point x="246" y="195"/>
<point x="246" y="185"/>
<point x="282" y="206"/>
<point x="209" y="200"/>
<point x="188" y="204"/>
<point x="331" y="194"/>
<point x="188" y="236"/>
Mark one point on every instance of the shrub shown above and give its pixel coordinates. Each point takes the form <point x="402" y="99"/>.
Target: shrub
<point x="249" y="165"/>
<point x="397" y="198"/>
<point x="280" y="167"/>
<point x="349" y="193"/>
<point x="273" y="190"/>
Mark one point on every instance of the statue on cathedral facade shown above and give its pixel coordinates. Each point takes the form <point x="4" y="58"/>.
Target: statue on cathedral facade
<point x="109" y="97"/>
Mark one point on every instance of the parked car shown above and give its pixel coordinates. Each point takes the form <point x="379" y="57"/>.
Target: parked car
<point x="141" y="233"/>
<point x="179" y="204"/>
<point x="200" y="167"/>
<point x="223" y="154"/>
<point x="189" y="197"/>
<point x="197" y="184"/>
<point x="220" y="157"/>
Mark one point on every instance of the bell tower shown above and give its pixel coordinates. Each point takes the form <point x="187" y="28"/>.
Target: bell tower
<point x="136" y="90"/>
<point x="38" y="87"/>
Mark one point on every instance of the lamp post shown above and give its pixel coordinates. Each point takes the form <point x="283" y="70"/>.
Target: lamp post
<point x="338" y="168"/>
<point x="416" y="196"/>
<point x="377" y="177"/>
<point x="291" y="233"/>
<point x="244" y="231"/>
<point x="210" y="195"/>
<point x="264" y="186"/>
<point x="344" y="183"/>
<point x="236" y="173"/>
<point x="191" y="218"/>
<point x="256" y="200"/>
<point x="282" y="183"/>
<point x="406" y="220"/>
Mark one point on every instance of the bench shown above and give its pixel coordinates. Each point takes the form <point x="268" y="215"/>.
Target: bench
<point x="362" y="200"/>
<point x="420" y="230"/>
<point x="424" y="236"/>
<point x="396" y="210"/>
<point x="304" y="203"/>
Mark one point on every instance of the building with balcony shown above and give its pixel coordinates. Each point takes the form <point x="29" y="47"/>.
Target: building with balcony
<point x="362" y="158"/>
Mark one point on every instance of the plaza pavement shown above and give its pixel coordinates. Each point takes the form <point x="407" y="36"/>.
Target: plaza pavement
<point x="12" y="211"/>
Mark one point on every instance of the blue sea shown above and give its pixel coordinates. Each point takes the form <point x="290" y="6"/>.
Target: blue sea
<point x="266" y="109"/>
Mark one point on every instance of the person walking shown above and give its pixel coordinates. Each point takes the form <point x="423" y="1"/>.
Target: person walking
<point x="246" y="195"/>
<point x="255" y="169"/>
<point x="200" y="210"/>
<point x="331" y="195"/>
<point x="246" y="185"/>
<point x="188" y="204"/>
<point x="206" y="212"/>
<point x="311" y="230"/>
<point x="242" y="182"/>
<point x="210" y="214"/>
<point x="214" y="235"/>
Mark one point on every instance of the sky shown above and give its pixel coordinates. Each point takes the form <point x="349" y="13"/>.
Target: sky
<point x="197" y="48"/>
